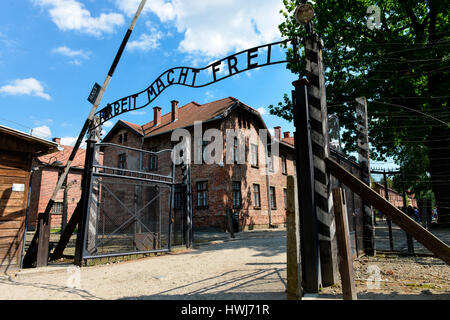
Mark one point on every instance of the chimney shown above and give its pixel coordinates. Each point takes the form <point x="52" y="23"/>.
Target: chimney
<point x="277" y="133"/>
<point x="57" y="140"/>
<point x="156" y="116"/>
<point x="287" y="135"/>
<point x="174" y="110"/>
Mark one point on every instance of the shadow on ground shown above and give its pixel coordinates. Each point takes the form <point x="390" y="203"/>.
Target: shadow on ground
<point x="83" y="294"/>
<point x="390" y="296"/>
<point x="231" y="285"/>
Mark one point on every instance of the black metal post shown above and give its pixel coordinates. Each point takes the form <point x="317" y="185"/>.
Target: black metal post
<point x="310" y="254"/>
<point x="389" y="223"/>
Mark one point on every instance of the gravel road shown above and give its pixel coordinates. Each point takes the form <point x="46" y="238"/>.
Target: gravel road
<point x="249" y="268"/>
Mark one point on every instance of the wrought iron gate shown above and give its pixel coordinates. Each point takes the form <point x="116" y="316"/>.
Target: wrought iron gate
<point x="131" y="202"/>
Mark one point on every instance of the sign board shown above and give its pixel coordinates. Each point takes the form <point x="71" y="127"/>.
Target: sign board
<point x="94" y="93"/>
<point x="18" y="187"/>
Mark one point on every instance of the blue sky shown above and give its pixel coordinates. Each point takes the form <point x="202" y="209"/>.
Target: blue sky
<point x="53" y="51"/>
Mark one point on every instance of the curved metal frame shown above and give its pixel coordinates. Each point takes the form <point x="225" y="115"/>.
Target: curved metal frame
<point x="128" y="103"/>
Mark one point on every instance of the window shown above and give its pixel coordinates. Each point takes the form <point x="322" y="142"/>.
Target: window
<point x="273" y="202"/>
<point x="283" y="164"/>
<point x="235" y="150"/>
<point x="202" y="194"/>
<point x="179" y="197"/>
<point x="200" y="150"/>
<point x="254" y="155"/>
<point x="236" y="194"/>
<point x="57" y="208"/>
<point x="153" y="162"/>
<point x="270" y="162"/>
<point x="122" y="162"/>
<point x="123" y="137"/>
<point x="285" y="198"/>
<point x="256" y="196"/>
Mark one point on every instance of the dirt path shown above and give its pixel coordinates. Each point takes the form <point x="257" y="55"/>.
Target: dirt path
<point x="253" y="268"/>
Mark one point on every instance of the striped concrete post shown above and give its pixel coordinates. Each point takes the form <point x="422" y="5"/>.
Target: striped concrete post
<point x="364" y="161"/>
<point x="91" y="246"/>
<point x="87" y="226"/>
<point x="322" y="183"/>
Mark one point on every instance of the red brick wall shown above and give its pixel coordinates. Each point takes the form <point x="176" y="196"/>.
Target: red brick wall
<point x="43" y="184"/>
<point x="220" y="178"/>
<point x="395" y="198"/>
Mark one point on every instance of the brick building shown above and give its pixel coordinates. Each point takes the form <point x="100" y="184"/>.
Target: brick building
<point x="395" y="198"/>
<point x="46" y="171"/>
<point x="259" y="198"/>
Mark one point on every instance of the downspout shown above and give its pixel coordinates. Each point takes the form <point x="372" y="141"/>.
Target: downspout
<point x="269" y="211"/>
<point x="269" y="205"/>
<point x="27" y="212"/>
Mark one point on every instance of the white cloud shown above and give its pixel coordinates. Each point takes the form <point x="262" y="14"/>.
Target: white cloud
<point x="164" y="10"/>
<point x="70" y="141"/>
<point x="262" y="111"/>
<point x="65" y="124"/>
<point x="146" y="41"/>
<point x="75" y="55"/>
<point x="41" y="122"/>
<point x="29" y="86"/>
<point x="42" y="132"/>
<point x="72" y="15"/>
<point x="138" y="113"/>
<point x="65" y="51"/>
<point x="108" y="124"/>
<point x="216" y="27"/>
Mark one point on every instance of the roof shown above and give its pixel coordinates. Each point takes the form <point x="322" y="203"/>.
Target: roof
<point x="41" y="146"/>
<point x="187" y="115"/>
<point x="190" y="113"/>
<point x="63" y="156"/>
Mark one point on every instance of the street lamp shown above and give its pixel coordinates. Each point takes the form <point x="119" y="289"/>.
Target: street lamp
<point x="304" y="13"/>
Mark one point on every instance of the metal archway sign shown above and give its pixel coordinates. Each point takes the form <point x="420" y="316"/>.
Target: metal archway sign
<point x="199" y="77"/>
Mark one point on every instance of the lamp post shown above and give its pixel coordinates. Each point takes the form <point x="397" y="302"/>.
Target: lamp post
<point x="304" y="14"/>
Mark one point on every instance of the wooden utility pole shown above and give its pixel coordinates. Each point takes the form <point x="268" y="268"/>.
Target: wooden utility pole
<point x="309" y="240"/>
<point x="294" y="272"/>
<point x="344" y="248"/>
<point x="364" y="161"/>
<point x="317" y="107"/>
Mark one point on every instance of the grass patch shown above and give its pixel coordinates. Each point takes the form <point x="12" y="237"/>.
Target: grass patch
<point x="420" y="286"/>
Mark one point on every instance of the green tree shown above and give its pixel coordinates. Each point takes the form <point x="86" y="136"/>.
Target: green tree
<point x="401" y="68"/>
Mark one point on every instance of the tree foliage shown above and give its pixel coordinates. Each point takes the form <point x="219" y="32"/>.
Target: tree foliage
<point x="401" y="68"/>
